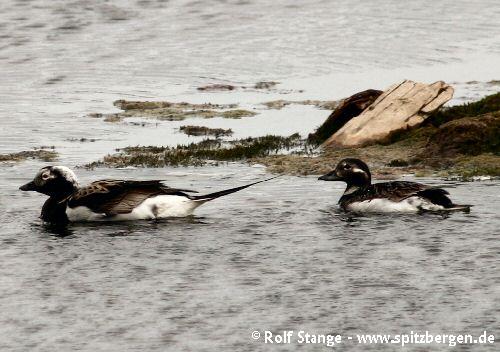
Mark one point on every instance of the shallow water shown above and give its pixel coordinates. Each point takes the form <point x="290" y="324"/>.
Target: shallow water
<point x="60" y="61"/>
<point x="276" y="256"/>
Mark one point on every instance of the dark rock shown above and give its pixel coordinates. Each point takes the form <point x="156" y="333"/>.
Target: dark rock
<point x="216" y="87"/>
<point x="265" y="85"/>
<point x="346" y="110"/>
<point x="205" y="131"/>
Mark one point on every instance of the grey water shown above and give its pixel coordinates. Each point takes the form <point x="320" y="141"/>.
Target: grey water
<point x="277" y="256"/>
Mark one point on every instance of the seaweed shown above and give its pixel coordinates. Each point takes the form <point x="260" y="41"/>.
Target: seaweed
<point x="169" y="111"/>
<point x="197" y="154"/>
<point x="43" y="154"/>
<point x="205" y="131"/>
<point x="321" y="104"/>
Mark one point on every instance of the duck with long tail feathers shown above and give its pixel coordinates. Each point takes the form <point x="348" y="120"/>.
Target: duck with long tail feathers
<point x="114" y="200"/>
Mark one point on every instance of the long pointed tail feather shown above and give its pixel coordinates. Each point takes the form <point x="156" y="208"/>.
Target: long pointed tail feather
<point x="459" y="207"/>
<point x="218" y="194"/>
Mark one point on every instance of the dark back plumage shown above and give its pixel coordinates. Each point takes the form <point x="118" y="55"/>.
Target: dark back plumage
<point x="112" y="197"/>
<point x="397" y="191"/>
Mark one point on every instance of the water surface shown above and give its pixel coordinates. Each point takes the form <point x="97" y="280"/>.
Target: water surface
<point x="279" y="255"/>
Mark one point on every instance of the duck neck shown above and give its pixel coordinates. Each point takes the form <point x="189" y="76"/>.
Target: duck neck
<point x="353" y="187"/>
<point x="63" y="191"/>
<point x="54" y="210"/>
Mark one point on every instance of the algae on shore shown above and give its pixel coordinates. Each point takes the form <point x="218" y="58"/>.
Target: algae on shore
<point x="462" y="140"/>
<point x="465" y="144"/>
<point x="197" y="154"/>
<point x="163" y="110"/>
<point x="205" y="131"/>
<point x="321" y="104"/>
<point x="43" y="154"/>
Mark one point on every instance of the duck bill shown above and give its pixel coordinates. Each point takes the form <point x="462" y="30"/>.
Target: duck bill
<point x="331" y="176"/>
<point x="30" y="186"/>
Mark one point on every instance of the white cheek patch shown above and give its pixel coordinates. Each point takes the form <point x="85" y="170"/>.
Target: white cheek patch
<point x="67" y="173"/>
<point x="351" y="190"/>
<point x="358" y="171"/>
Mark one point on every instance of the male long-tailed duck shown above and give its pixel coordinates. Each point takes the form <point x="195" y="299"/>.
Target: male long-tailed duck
<point x="398" y="196"/>
<point x="113" y="199"/>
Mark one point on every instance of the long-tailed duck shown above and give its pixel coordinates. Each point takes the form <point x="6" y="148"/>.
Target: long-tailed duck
<point x="113" y="199"/>
<point x="398" y="196"/>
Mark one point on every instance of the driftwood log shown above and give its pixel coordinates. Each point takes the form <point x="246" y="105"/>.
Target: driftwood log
<point x="402" y="106"/>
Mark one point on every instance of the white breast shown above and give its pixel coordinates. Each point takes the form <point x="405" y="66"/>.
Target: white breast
<point x="162" y="206"/>
<point x="382" y="205"/>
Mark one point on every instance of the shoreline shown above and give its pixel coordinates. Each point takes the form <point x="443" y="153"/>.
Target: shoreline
<point x="461" y="141"/>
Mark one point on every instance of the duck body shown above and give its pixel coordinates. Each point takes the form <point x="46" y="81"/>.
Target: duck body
<point x="397" y="196"/>
<point x="157" y="207"/>
<point x="113" y="200"/>
<point x="362" y="196"/>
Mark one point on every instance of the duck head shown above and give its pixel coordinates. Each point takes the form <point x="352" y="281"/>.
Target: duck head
<point x="354" y="172"/>
<point x="54" y="181"/>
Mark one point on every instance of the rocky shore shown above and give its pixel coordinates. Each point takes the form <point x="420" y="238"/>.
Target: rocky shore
<point x="458" y="141"/>
<point x="463" y="141"/>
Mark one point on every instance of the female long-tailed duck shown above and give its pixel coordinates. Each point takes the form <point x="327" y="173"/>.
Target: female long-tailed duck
<point x="398" y="196"/>
<point x="113" y="199"/>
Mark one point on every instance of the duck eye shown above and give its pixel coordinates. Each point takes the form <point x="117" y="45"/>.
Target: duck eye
<point x="347" y="167"/>
<point x="45" y="176"/>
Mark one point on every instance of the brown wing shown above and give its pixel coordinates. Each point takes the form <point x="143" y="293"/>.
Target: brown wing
<point x="113" y="197"/>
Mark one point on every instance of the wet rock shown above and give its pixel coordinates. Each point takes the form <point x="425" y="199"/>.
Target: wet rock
<point x="205" y="131"/>
<point x="265" y="85"/>
<point x="402" y="106"/>
<point x="216" y="87"/>
<point x="344" y="111"/>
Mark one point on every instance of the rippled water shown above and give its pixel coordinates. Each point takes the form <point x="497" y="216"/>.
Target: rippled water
<point x="277" y="256"/>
